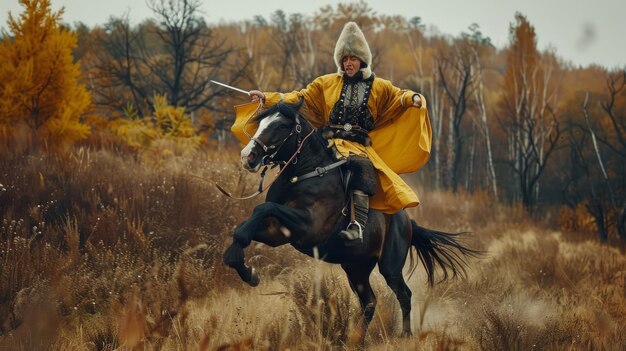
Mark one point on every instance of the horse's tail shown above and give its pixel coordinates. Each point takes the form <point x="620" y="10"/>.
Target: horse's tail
<point x="435" y="248"/>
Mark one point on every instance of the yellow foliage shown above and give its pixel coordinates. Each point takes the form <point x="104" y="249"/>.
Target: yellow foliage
<point x="98" y="122"/>
<point x="39" y="88"/>
<point x="168" y="132"/>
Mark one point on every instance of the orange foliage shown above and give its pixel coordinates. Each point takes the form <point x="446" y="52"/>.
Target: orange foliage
<point x="576" y="220"/>
<point x="41" y="101"/>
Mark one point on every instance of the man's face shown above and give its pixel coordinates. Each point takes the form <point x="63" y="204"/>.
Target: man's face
<point x="351" y="64"/>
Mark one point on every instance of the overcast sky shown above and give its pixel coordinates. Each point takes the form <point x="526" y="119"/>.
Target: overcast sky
<point x="582" y="32"/>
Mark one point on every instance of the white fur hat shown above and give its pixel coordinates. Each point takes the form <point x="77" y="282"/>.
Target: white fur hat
<point x="352" y="42"/>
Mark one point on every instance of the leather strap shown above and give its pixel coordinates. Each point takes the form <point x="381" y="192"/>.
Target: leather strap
<point x="318" y="172"/>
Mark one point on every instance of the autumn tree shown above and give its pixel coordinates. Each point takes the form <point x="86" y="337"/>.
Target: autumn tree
<point x="528" y="109"/>
<point x="41" y="99"/>
<point x="334" y="18"/>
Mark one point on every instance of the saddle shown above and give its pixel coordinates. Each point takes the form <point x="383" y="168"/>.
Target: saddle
<point x="360" y="175"/>
<point x="358" y="172"/>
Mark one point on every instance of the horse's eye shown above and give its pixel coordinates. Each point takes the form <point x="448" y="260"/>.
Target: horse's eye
<point x="284" y="126"/>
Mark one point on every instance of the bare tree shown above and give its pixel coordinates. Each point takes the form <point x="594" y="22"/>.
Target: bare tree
<point x="118" y="66"/>
<point x="596" y="205"/>
<point x="429" y="84"/>
<point x="456" y="75"/>
<point x="298" y="49"/>
<point x="259" y="72"/>
<point x="616" y="85"/>
<point x="598" y="157"/>
<point x="190" y="56"/>
<point x="615" y="141"/>
<point x="583" y="180"/>
<point x="176" y="55"/>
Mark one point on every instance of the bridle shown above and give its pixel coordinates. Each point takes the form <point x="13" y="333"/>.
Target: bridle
<point x="268" y="160"/>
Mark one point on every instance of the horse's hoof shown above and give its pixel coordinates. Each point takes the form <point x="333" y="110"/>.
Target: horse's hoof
<point x="255" y="278"/>
<point x="407" y="334"/>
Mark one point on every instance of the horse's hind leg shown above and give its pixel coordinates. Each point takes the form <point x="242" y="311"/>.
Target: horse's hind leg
<point x="397" y="245"/>
<point x="403" y="294"/>
<point x="359" y="277"/>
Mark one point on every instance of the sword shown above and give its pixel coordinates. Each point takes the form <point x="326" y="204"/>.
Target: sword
<point x="230" y="87"/>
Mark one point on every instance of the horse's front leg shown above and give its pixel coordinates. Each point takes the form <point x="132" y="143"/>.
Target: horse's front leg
<point x="266" y="225"/>
<point x="234" y="257"/>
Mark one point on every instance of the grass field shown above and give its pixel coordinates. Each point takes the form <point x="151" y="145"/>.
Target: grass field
<point x="99" y="251"/>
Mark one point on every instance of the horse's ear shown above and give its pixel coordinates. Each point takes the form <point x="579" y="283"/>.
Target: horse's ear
<point x="296" y="106"/>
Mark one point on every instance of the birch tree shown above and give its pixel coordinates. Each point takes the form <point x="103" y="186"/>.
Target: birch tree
<point x="428" y="83"/>
<point x="259" y="72"/>
<point x="479" y="43"/>
<point x="456" y="75"/>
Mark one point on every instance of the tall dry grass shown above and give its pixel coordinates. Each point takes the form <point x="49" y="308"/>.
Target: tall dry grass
<point x="100" y="251"/>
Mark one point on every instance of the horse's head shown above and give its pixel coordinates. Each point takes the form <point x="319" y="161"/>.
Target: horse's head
<point x="279" y="132"/>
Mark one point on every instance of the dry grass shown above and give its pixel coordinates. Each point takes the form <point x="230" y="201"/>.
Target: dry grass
<point x="101" y="252"/>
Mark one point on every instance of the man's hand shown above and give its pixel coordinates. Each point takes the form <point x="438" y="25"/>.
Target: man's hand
<point x="256" y="96"/>
<point x="417" y="100"/>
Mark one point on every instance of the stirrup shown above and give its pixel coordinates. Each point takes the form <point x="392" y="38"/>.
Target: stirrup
<point x="359" y="226"/>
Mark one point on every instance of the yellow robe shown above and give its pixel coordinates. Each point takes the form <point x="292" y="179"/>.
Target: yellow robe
<point x="401" y="138"/>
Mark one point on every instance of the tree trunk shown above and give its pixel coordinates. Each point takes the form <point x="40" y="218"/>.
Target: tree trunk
<point x="491" y="171"/>
<point x="436" y="115"/>
<point x="451" y="149"/>
<point x="598" y="213"/>
<point x="470" y="171"/>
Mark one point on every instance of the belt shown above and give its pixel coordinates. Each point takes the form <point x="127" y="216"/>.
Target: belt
<point x="349" y="127"/>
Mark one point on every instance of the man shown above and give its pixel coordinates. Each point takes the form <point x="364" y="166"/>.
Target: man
<point x="367" y="119"/>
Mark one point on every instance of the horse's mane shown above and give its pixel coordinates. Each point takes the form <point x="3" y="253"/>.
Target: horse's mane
<point x="288" y="110"/>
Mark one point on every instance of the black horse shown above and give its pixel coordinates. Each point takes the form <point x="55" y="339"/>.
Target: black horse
<point x="305" y="207"/>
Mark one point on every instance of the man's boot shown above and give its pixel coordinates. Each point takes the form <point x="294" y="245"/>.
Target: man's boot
<point x="361" y="207"/>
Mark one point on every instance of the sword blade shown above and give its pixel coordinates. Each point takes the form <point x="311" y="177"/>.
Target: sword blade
<point x="230" y="87"/>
